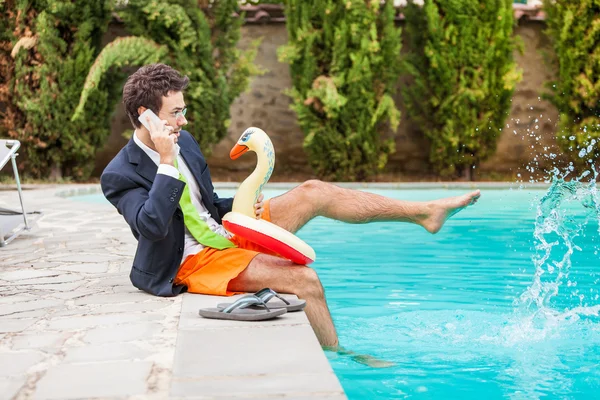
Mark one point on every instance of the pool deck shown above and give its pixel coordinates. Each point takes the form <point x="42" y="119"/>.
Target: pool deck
<point x="72" y="326"/>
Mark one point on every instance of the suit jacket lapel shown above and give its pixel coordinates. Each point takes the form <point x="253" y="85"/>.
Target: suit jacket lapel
<point x="145" y="166"/>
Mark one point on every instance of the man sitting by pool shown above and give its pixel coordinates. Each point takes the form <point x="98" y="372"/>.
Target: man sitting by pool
<point x="145" y="183"/>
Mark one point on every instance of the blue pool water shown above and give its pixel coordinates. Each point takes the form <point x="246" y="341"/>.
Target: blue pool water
<point x="502" y="303"/>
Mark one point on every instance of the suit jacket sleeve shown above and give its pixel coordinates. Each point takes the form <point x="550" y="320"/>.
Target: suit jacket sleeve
<point x="148" y="213"/>
<point x="223" y="205"/>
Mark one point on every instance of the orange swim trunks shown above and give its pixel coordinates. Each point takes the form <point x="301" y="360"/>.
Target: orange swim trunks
<point x="210" y="271"/>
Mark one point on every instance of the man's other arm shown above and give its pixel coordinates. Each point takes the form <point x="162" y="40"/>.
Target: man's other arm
<point x="223" y="205"/>
<point x="147" y="213"/>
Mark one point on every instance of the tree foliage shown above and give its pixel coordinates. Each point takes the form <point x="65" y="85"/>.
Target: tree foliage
<point x="574" y="27"/>
<point x="46" y="50"/>
<point x="200" y="44"/>
<point x="344" y="60"/>
<point x="464" y="77"/>
<point x="49" y="47"/>
<point x="121" y="52"/>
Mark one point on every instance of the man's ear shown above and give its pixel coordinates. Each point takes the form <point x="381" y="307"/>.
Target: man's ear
<point x="141" y="110"/>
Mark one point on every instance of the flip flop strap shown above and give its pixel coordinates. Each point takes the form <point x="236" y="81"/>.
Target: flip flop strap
<point x="244" y="302"/>
<point x="262" y="292"/>
<point x="267" y="294"/>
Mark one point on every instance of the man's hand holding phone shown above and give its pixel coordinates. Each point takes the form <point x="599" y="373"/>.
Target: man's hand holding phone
<point x="161" y="135"/>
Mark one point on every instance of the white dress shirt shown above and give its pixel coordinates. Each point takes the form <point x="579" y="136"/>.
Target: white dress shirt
<point x="191" y="246"/>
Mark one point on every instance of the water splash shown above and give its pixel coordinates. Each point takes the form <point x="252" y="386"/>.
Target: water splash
<point x="564" y="213"/>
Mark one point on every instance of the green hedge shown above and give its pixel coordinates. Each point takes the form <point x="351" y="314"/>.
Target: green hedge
<point x="575" y="31"/>
<point x="464" y="78"/>
<point x="47" y="50"/>
<point x="344" y="59"/>
<point x="201" y="45"/>
<point x="49" y="47"/>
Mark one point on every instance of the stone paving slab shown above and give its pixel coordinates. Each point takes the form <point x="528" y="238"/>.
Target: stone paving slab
<point x="260" y="386"/>
<point x="70" y="319"/>
<point x="243" y="352"/>
<point x="10" y="387"/>
<point x="277" y="358"/>
<point x="16" y="325"/>
<point x="73" y="327"/>
<point x="122" y="333"/>
<point x="17" y="363"/>
<point x="80" y="381"/>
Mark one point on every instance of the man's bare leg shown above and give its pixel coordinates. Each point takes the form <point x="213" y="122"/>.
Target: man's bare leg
<point x="286" y="277"/>
<point x="313" y="198"/>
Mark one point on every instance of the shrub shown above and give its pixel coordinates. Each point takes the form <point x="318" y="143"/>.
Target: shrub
<point x="47" y="47"/>
<point x="574" y="28"/>
<point x="201" y="45"/>
<point x="344" y="60"/>
<point x="464" y="78"/>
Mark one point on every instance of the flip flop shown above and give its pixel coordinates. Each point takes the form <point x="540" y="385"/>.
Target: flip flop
<point x="276" y="302"/>
<point x="247" y="308"/>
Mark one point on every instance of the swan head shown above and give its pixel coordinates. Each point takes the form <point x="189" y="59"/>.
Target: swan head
<point x="252" y="139"/>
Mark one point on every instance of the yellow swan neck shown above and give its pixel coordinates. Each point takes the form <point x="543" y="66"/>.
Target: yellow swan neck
<point x="251" y="187"/>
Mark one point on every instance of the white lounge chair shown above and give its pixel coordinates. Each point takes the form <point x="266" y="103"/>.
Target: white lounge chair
<point x="13" y="222"/>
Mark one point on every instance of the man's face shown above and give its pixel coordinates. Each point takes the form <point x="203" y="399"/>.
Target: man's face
<point x="173" y="110"/>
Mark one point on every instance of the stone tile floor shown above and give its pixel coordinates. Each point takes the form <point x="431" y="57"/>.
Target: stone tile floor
<point x="73" y="327"/>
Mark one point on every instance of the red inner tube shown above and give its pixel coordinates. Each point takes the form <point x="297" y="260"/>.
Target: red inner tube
<point x="268" y="242"/>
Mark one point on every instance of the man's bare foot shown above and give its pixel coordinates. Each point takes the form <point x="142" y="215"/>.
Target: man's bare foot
<point x="364" y="359"/>
<point x="442" y="209"/>
<point x="371" y="361"/>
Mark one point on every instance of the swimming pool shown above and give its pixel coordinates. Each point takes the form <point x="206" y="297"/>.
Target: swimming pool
<point x="458" y="312"/>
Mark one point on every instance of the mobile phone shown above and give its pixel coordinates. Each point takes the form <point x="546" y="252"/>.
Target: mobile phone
<point x="153" y="117"/>
<point x="156" y="121"/>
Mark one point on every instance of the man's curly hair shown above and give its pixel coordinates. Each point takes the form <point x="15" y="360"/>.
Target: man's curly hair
<point x="147" y="86"/>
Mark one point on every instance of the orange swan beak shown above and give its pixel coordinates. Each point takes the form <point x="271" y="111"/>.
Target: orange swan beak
<point x="237" y="151"/>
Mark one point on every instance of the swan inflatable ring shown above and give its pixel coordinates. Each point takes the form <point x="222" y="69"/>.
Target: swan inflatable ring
<point x="242" y="221"/>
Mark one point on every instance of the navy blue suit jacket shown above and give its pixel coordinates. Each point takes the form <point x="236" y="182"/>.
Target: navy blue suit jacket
<point x="149" y="203"/>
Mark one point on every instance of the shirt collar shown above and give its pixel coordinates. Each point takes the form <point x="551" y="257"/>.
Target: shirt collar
<point x="154" y="156"/>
